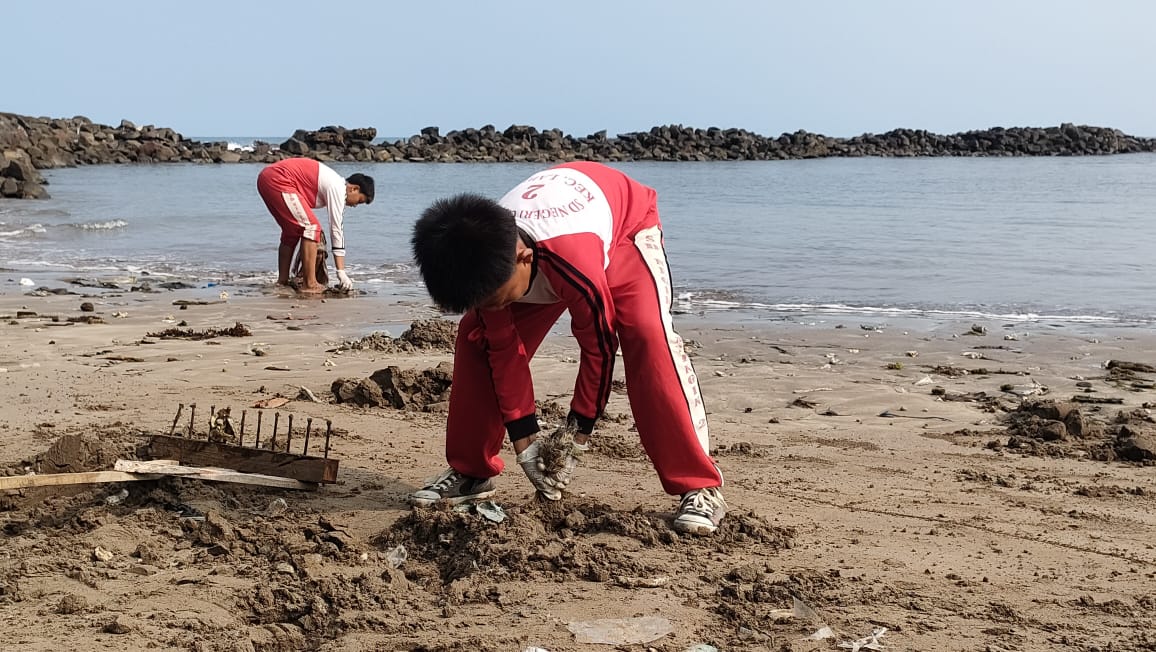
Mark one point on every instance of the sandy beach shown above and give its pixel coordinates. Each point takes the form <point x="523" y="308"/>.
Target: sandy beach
<point x="872" y="486"/>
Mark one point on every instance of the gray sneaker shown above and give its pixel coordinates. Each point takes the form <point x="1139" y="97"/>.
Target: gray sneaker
<point x="700" y="511"/>
<point x="454" y="488"/>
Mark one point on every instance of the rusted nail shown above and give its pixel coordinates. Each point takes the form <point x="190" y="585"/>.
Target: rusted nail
<point x="173" y="428"/>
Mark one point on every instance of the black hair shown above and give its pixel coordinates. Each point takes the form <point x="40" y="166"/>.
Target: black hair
<point x="464" y="248"/>
<point x="365" y="183"/>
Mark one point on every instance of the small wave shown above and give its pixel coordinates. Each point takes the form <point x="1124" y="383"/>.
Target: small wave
<point x="690" y="299"/>
<point x="25" y="232"/>
<point x="100" y="226"/>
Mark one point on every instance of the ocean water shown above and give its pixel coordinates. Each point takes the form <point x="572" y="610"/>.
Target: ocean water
<point x="1063" y="239"/>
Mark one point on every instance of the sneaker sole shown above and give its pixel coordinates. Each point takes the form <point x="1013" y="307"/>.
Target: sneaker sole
<point x="694" y="528"/>
<point x="456" y="500"/>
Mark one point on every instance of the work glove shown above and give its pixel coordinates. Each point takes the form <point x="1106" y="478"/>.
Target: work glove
<point x="550" y="462"/>
<point x="343" y="281"/>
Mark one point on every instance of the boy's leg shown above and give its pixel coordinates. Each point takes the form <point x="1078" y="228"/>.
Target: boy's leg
<point x="298" y="224"/>
<point x="660" y="379"/>
<point x="475" y="429"/>
<point x="285" y="260"/>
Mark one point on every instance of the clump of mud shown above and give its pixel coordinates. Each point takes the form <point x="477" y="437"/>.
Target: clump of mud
<point x="1062" y="429"/>
<point x="75" y="453"/>
<point x="236" y="330"/>
<point x="402" y="389"/>
<point x="563" y="541"/>
<point x="422" y="335"/>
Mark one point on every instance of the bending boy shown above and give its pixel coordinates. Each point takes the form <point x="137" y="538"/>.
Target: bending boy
<point x="585" y="238"/>
<point x="290" y="189"/>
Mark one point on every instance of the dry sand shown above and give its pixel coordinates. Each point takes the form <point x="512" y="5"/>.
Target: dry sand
<point x="926" y="522"/>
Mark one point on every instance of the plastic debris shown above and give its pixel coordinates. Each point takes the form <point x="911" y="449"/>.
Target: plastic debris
<point x="27" y="282"/>
<point x="972" y="355"/>
<point x="116" y="498"/>
<point x="926" y="380"/>
<point x="100" y="554"/>
<point x="491" y="511"/>
<point x="641" y="582"/>
<point x="306" y="394"/>
<point x="278" y="506"/>
<point x="867" y="642"/>
<point x="822" y="633"/>
<point x="702" y="647"/>
<point x="621" y="631"/>
<point x="396" y="557"/>
<point x="803" y="611"/>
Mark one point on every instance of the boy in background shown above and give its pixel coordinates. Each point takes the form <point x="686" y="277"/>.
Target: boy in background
<point x="290" y="189"/>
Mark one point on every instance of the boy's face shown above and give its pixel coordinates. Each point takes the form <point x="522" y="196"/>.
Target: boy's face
<point x="353" y="195"/>
<point x="519" y="283"/>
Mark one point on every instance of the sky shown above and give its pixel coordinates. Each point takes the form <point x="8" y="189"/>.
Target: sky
<point x="837" y="67"/>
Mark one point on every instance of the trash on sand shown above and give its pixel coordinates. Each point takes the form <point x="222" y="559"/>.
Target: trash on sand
<point x="977" y="329"/>
<point x="822" y="633"/>
<point x="396" y="557"/>
<point x="535" y="649"/>
<point x="100" y="554"/>
<point x="277" y="507"/>
<point x="27" y="282"/>
<point x="306" y="394"/>
<point x="641" y="582"/>
<point x="271" y="402"/>
<point x="867" y="642"/>
<point x="621" y="631"/>
<point x="1025" y="390"/>
<point x="116" y="498"/>
<point x="972" y="355"/>
<point x="702" y="647"/>
<point x="803" y="611"/>
<point x="491" y="511"/>
<point x="926" y="380"/>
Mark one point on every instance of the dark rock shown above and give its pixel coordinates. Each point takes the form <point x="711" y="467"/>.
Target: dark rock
<point x="87" y="307"/>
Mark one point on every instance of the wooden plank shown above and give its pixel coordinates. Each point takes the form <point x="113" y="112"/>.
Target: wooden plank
<point x="199" y="452"/>
<point x="169" y="467"/>
<point x="59" y="479"/>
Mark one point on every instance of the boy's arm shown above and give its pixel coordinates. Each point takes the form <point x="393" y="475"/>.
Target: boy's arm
<point x="578" y="264"/>
<point x="335" y="205"/>
<point x="510" y="371"/>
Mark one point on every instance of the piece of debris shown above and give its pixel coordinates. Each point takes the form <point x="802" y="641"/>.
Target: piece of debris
<point x="306" y="394"/>
<point x="396" y="556"/>
<point x="1130" y="366"/>
<point x="236" y="330"/>
<point x="1084" y="398"/>
<point x="100" y="554"/>
<point x="491" y="511"/>
<point x="620" y="631"/>
<point x="867" y="642"/>
<point x="271" y="402"/>
<point x="641" y="582"/>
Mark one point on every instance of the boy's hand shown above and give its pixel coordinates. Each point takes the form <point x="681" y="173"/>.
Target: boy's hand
<point x="550" y="462"/>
